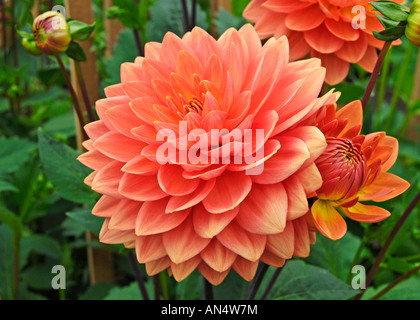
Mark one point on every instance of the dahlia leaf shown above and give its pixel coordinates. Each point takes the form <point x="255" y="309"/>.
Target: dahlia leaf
<point x="391" y="10"/>
<point x="14" y="152"/>
<point x="300" y="281"/>
<point x="75" y="51"/>
<point x="79" y="30"/>
<point x="64" y="171"/>
<point x="86" y="219"/>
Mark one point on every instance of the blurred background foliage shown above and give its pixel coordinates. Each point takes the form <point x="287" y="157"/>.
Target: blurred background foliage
<point x="45" y="207"/>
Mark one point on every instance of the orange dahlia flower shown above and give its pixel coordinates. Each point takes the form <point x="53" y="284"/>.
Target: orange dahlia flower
<point x="339" y="32"/>
<point x="215" y="217"/>
<point x="354" y="169"/>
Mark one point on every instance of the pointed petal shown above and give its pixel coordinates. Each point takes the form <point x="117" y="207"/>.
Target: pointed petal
<point x="207" y="224"/>
<point x="230" y="190"/>
<point x="282" y="244"/>
<point x="264" y="210"/>
<point x="183" y="243"/>
<point x="212" y="276"/>
<point x="182" y="270"/>
<point x="248" y="245"/>
<point x="149" y="248"/>
<point x="140" y="188"/>
<point x="172" y="182"/>
<point x="152" y="218"/>
<point x="328" y="221"/>
<point x="217" y="256"/>
<point x="386" y="186"/>
<point x="364" y="213"/>
<point x="246" y="269"/>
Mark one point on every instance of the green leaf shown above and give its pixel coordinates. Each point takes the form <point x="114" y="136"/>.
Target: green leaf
<point x="75" y="51"/>
<point x="6" y="186"/>
<point x="232" y="286"/>
<point x="11" y="219"/>
<point x="42" y="244"/>
<point x="6" y="262"/>
<point x="238" y="7"/>
<point x="191" y="288"/>
<point x="225" y="20"/>
<point x="87" y="219"/>
<point x="299" y="281"/>
<point x="14" y="152"/>
<point x="64" y="171"/>
<point x="390" y="34"/>
<point x="130" y="292"/>
<point x="391" y="10"/>
<point x="79" y="30"/>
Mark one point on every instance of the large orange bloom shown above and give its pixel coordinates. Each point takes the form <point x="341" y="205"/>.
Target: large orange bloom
<point x="181" y="215"/>
<point x="323" y="29"/>
<point x="354" y="169"/>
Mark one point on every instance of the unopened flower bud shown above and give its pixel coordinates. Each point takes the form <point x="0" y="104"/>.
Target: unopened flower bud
<point x="52" y="33"/>
<point x="412" y="31"/>
<point x="31" y="47"/>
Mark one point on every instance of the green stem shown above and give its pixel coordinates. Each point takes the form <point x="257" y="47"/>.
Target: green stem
<point x="208" y="290"/>
<point x="375" y="74"/>
<point x="73" y="94"/>
<point x="398" y="86"/>
<point x="85" y="93"/>
<point x="164" y="285"/>
<point x="16" y="264"/>
<point x="383" y="82"/>
<point x="388" y="242"/>
<point x="395" y="282"/>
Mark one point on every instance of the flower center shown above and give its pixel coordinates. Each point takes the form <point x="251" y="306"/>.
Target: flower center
<point x="193" y="105"/>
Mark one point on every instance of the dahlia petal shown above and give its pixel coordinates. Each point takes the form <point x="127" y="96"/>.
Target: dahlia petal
<point x="364" y="213"/>
<point x="369" y="60"/>
<point x="137" y="89"/>
<point x="310" y="179"/>
<point x="178" y="203"/>
<point x="182" y="270"/>
<point x="264" y="210"/>
<point x="106" y="180"/>
<point x="172" y="182"/>
<point x="131" y="72"/>
<point x="246" y="269"/>
<point x="217" y="256"/>
<point x="142" y="166"/>
<point x="291" y="156"/>
<point x="212" y="276"/>
<point x="152" y="219"/>
<point x="342" y="30"/>
<point x="124" y="217"/>
<point x="328" y="221"/>
<point x="282" y="244"/>
<point x="96" y="129"/>
<point x="353" y="112"/>
<point x="230" y="190"/>
<point x="123" y="119"/>
<point x="157" y="266"/>
<point x="272" y="260"/>
<point x="299" y="48"/>
<point x="337" y="69"/>
<point x="149" y="248"/>
<point x="115" y="90"/>
<point x="247" y="245"/>
<point x="207" y="224"/>
<point x="306" y="19"/>
<point x="143" y="108"/>
<point x="109" y="236"/>
<point x="118" y="146"/>
<point x="183" y="243"/>
<point x="140" y="188"/>
<point x="94" y="159"/>
<point x="297" y="204"/>
<point x="105" y="206"/>
<point x="386" y="186"/>
<point x="188" y="65"/>
<point x="322" y="40"/>
<point x="353" y="51"/>
<point x="302" y="238"/>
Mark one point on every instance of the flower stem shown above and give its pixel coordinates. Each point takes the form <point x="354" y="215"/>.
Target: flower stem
<point x="185" y="16"/>
<point x="85" y="93"/>
<point x="77" y="107"/>
<point x="139" y="42"/>
<point x="164" y="285"/>
<point x="16" y="264"/>
<point x="375" y="74"/>
<point x="208" y="290"/>
<point x="194" y="14"/>
<point x="137" y="274"/>
<point x="395" y="282"/>
<point x="156" y="284"/>
<point x="388" y="242"/>
<point x="271" y="283"/>
<point x="255" y="284"/>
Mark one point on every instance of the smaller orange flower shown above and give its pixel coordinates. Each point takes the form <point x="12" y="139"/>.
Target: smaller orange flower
<point x="354" y="169"/>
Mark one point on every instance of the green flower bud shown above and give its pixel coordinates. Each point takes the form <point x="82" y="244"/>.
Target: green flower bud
<point x="412" y="31"/>
<point x="31" y="47"/>
<point x="52" y="33"/>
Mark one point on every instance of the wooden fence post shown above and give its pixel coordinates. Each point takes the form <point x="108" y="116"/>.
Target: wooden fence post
<point x="100" y="261"/>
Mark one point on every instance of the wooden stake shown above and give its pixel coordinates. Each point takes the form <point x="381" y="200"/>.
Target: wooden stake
<point x="100" y="261"/>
